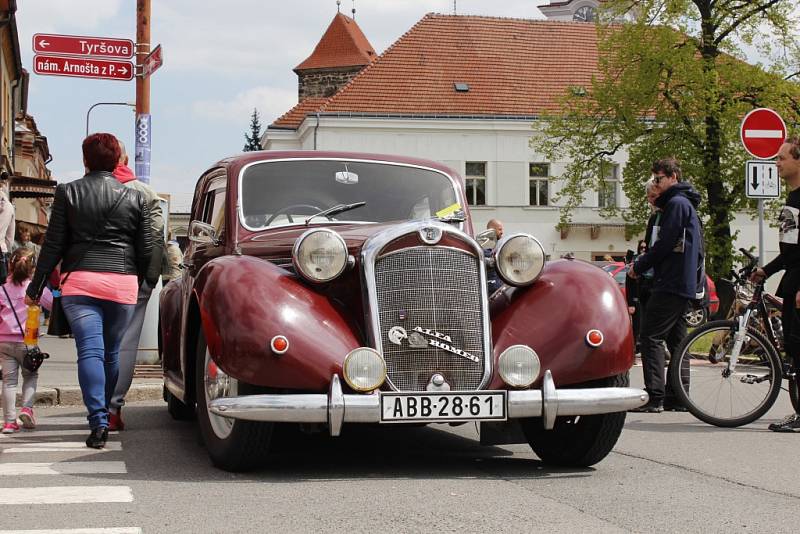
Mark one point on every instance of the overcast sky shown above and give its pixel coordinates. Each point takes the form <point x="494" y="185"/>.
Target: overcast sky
<point x="221" y="59"/>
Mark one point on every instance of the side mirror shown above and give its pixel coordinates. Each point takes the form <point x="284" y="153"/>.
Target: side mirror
<point x="487" y="238"/>
<point x="203" y="233"/>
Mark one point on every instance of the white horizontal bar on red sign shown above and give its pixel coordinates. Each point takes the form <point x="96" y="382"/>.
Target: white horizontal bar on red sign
<point x="764" y="134"/>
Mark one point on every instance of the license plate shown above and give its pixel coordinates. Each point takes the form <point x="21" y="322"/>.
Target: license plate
<point x="443" y="406"/>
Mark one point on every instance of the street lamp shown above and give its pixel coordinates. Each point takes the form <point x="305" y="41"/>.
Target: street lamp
<point x="131" y="104"/>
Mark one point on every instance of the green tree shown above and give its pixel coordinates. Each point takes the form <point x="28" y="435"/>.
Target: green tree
<point x="253" y="139"/>
<point x="674" y="79"/>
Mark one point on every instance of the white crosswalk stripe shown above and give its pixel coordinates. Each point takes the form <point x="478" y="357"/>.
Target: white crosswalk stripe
<point x="53" y="437"/>
<point x="112" y="530"/>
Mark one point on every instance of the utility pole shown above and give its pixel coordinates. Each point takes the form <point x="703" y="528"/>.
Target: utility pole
<point x="142" y="127"/>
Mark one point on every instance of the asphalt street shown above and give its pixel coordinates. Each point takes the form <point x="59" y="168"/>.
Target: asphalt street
<point x="668" y="473"/>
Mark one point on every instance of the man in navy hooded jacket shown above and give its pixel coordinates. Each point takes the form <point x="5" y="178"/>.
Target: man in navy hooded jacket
<point x="674" y="257"/>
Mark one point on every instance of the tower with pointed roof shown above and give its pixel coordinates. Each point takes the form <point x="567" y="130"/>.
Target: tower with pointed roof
<point x="341" y="54"/>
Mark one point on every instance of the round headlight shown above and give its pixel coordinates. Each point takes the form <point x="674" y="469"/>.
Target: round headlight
<point x="320" y="255"/>
<point x="519" y="259"/>
<point x="519" y="366"/>
<point x="364" y="369"/>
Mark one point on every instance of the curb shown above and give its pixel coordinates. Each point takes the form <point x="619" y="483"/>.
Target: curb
<point x="71" y="395"/>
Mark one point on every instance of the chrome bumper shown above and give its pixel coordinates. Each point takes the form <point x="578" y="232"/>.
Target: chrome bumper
<point x="336" y="408"/>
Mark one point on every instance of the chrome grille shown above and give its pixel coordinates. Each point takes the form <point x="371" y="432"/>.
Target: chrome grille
<point x="436" y="288"/>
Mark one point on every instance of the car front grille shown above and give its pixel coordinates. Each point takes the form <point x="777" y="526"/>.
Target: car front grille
<point x="437" y="289"/>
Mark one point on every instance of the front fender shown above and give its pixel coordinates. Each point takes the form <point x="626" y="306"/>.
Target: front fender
<point x="553" y="317"/>
<point x="245" y="301"/>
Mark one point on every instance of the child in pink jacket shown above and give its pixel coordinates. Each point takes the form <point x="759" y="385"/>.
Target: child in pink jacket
<point x="12" y="349"/>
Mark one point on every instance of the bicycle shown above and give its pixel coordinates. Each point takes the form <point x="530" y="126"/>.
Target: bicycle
<point x="728" y="373"/>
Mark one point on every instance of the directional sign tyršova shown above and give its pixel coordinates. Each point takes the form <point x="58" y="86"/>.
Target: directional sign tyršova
<point x="77" y="45"/>
<point x="105" y="69"/>
<point x="763" y="132"/>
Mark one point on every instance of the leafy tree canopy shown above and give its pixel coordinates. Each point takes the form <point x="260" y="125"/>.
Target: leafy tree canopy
<point x="676" y="78"/>
<point x="253" y="139"/>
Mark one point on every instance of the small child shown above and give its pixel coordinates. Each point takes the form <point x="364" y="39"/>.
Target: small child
<point x="13" y="313"/>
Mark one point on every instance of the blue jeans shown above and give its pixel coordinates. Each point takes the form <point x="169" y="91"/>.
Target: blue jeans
<point x="98" y="326"/>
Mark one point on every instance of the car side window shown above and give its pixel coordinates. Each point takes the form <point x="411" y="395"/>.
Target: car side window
<point x="217" y="212"/>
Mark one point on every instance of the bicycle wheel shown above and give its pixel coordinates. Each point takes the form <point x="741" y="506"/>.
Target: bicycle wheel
<point x="701" y="379"/>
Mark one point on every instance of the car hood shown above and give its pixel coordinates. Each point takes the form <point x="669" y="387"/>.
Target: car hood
<point x="277" y="243"/>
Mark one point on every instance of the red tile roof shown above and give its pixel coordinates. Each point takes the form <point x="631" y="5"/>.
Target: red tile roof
<point x="512" y="67"/>
<point x="295" y="116"/>
<point x="342" y="45"/>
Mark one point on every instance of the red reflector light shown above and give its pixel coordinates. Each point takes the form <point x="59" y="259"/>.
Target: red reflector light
<point x="594" y="338"/>
<point x="212" y="370"/>
<point x="279" y="344"/>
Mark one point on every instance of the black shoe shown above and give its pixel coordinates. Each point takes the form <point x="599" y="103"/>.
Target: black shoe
<point x="97" y="438"/>
<point x="650" y="407"/>
<point x="790" y="423"/>
<point x="672" y="405"/>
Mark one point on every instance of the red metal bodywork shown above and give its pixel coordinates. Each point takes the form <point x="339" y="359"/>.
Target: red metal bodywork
<point x="241" y="301"/>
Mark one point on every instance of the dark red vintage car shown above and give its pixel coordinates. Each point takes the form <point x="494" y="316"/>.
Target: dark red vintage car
<point x="333" y="289"/>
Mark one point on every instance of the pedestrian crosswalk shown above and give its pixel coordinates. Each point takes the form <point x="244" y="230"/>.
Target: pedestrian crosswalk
<point x="38" y="468"/>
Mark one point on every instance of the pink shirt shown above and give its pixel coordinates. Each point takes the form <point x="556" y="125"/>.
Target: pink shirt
<point x="9" y="329"/>
<point x="121" y="288"/>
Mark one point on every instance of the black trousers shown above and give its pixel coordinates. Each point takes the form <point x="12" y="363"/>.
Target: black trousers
<point x="662" y="323"/>
<point x="790" y="320"/>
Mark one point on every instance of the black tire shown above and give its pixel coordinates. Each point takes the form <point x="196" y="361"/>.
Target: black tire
<point x="578" y="441"/>
<point x="246" y="445"/>
<point x="178" y="410"/>
<point x="768" y="357"/>
<point x="695" y="317"/>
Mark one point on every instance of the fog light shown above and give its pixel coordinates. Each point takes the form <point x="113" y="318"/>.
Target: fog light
<point x="364" y="369"/>
<point x="594" y="338"/>
<point x="519" y="366"/>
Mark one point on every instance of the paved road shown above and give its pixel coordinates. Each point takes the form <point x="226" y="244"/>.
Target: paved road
<point x="669" y="473"/>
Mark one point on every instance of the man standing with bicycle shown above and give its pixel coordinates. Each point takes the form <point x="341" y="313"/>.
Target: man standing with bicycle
<point x="675" y="256"/>
<point x="788" y="260"/>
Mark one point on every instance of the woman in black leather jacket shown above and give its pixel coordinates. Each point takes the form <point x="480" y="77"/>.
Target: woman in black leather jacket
<point x="100" y="232"/>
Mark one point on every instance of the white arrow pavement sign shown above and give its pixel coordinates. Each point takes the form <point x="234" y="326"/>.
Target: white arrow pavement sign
<point x="761" y="179"/>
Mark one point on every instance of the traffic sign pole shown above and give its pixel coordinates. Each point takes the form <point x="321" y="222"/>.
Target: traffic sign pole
<point x="761" y="231"/>
<point x="142" y="126"/>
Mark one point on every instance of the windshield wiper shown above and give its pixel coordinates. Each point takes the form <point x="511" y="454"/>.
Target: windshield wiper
<point x="339" y="208"/>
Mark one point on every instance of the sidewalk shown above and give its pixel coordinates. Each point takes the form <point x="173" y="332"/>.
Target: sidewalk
<point x="58" y="377"/>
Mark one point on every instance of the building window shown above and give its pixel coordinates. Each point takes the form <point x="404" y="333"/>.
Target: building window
<point x="476" y="183"/>
<point x="607" y="194"/>
<point x="538" y="176"/>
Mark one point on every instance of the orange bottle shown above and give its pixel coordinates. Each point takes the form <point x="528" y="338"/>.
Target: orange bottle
<point x="32" y="326"/>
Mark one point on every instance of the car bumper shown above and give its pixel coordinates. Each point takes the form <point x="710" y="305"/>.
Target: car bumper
<point x="337" y="408"/>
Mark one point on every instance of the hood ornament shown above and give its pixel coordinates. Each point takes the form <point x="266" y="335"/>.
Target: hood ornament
<point x="430" y="234"/>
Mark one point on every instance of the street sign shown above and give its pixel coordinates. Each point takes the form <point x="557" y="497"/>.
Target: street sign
<point x="761" y="179"/>
<point x="763" y="132"/>
<point x="77" y="45"/>
<point x="78" y="67"/>
<point x="152" y="62"/>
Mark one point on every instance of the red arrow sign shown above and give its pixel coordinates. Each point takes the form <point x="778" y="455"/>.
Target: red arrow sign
<point x="152" y="62"/>
<point x="78" y="45"/>
<point x="82" y="67"/>
<point x="763" y="132"/>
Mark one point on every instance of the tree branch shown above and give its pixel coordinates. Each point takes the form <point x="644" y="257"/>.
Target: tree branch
<point x="744" y="18"/>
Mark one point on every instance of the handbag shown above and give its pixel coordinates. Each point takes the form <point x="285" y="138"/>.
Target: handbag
<point x="34" y="357"/>
<point x="58" y="324"/>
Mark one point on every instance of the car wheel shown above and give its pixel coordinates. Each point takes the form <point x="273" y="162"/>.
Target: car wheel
<point x="577" y="441"/>
<point x="233" y="445"/>
<point x="177" y="409"/>
<point x="695" y="317"/>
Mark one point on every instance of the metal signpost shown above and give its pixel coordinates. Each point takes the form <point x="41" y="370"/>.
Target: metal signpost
<point x="763" y="132"/>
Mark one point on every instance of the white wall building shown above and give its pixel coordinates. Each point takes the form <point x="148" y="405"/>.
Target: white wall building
<point x="468" y="92"/>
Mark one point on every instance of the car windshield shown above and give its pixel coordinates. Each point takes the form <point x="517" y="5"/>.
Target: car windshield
<point x="275" y="193"/>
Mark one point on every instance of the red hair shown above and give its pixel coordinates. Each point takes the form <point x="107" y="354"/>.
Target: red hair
<point x="101" y="152"/>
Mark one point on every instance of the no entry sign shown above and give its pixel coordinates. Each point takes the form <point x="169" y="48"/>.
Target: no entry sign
<point x="105" y="69"/>
<point x="763" y="132"/>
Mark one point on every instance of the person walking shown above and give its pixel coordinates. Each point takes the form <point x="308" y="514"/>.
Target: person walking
<point x="100" y="232"/>
<point x="492" y="278"/>
<point x="130" y="341"/>
<point x="637" y="291"/>
<point x="25" y="242"/>
<point x="674" y="256"/>
<point x="174" y="267"/>
<point x="788" y="260"/>
<point x="13" y="313"/>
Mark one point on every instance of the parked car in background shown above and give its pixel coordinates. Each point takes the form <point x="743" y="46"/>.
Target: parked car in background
<point x="329" y="289"/>
<point x="695" y="317"/>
